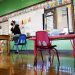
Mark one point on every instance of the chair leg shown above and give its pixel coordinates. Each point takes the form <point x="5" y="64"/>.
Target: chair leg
<point x="35" y="60"/>
<point x="57" y="55"/>
<point x="52" y="57"/>
<point x="21" y="47"/>
<point x="42" y="56"/>
<point x="49" y="55"/>
<point x="17" y="48"/>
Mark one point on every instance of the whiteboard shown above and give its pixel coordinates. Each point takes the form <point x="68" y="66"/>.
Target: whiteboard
<point x="30" y="22"/>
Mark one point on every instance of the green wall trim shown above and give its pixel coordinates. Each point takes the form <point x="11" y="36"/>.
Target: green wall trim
<point x="8" y="6"/>
<point x="61" y="45"/>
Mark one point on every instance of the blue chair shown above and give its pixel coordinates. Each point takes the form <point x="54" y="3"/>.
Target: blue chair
<point x="21" y="41"/>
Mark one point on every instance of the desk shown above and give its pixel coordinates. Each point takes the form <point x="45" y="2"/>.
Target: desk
<point x="6" y="37"/>
<point x="59" y="37"/>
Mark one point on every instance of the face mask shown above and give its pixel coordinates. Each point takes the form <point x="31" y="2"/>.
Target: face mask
<point x="12" y="24"/>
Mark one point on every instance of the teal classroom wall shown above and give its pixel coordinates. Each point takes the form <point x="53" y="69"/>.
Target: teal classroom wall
<point x="61" y="45"/>
<point x="30" y="45"/>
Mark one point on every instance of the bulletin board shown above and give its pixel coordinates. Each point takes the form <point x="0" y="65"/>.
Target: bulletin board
<point x="30" y="22"/>
<point x="4" y="28"/>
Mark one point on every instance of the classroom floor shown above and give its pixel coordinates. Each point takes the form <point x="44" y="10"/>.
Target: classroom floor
<point x="22" y="64"/>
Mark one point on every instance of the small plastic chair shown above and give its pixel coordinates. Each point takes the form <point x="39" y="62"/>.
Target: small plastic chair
<point x="44" y="43"/>
<point x="21" y="41"/>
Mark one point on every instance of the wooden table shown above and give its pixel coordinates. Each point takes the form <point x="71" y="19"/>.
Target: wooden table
<point x="6" y="37"/>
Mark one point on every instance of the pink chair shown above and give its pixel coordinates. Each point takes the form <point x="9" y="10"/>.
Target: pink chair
<point x="44" y="43"/>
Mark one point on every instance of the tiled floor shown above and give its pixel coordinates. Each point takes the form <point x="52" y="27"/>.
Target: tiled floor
<point x="22" y="64"/>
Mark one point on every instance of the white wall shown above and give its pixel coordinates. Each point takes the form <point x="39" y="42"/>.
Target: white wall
<point x="32" y="22"/>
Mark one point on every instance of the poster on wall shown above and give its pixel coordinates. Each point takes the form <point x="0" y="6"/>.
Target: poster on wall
<point x="4" y="28"/>
<point x="30" y="22"/>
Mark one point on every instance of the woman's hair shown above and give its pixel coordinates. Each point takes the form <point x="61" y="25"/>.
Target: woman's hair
<point x="12" y="22"/>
